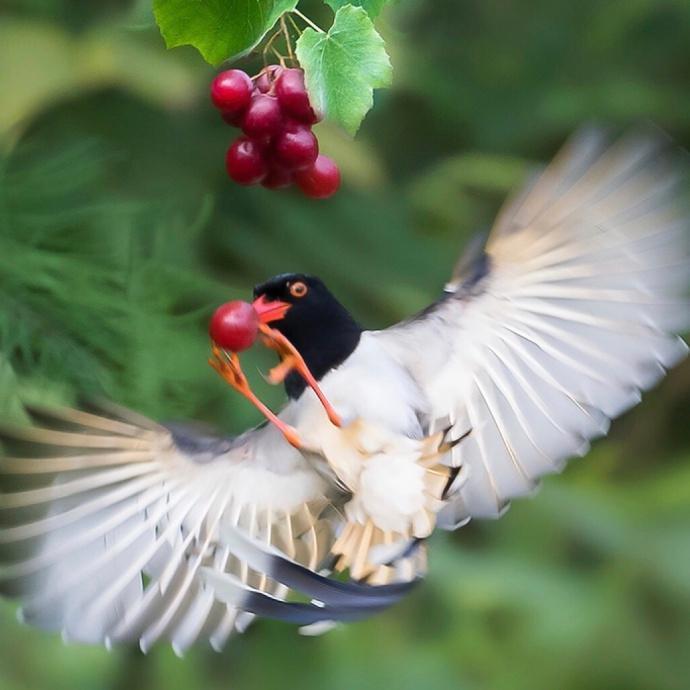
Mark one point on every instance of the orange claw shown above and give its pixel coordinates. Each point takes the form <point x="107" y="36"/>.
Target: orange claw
<point x="227" y="364"/>
<point x="291" y="360"/>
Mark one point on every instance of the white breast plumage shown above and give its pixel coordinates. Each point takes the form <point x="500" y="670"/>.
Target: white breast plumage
<point x="370" y="385"/>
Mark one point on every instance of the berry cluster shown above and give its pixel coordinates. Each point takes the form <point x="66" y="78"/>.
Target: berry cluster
<point x="278" y="147"/>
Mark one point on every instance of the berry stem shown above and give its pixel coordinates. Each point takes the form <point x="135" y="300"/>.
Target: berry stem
<point x="294" y="23"/>
<point x="269" y="44"/>
<point x="288" y="40"/>
<point x="281" y="58"/>
<point x="308" y="21"/>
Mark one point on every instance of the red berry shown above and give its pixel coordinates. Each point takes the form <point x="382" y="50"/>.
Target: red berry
<point x="234" y="326"/>
<point x="231" y="90"/>
<point x="277" y="178"/>
<point x="245" y="162"/>
<point x="321" y="180"/>
<point x="234" y="119"/>
<point x="264" y="82"/>
<point x="263" y="116"/>
<point x="293" y="96"/>
<point x="296" y="147"/>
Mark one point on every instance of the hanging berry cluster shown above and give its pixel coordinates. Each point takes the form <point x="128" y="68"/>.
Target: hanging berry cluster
<point x="277" y="148"/>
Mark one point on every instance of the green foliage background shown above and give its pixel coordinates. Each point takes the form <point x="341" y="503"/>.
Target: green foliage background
<point x="119" y="233"/>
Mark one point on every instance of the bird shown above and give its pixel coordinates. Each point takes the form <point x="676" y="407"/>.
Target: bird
<point x="117" y="529"/>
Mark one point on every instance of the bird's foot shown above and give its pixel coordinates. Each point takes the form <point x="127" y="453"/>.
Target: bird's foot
<point x="227" y="364"/>
<point x="291" y="360"/>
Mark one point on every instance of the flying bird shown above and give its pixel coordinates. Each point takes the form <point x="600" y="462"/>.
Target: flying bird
<point x="118" y="529"/>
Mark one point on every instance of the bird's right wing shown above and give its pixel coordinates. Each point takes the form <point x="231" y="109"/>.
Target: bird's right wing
<point x="116" y="529"/>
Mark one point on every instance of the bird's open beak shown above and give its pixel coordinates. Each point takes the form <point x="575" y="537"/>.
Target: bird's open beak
<point x="270" y="310"/>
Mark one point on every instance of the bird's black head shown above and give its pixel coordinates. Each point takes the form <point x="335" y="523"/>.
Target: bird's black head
<point x="302" y="308"/>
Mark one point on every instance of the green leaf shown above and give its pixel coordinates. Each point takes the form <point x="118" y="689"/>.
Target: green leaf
<point x="218" y="29"/>
<point x="372" y="7"/>
<point x="344" y="66"/>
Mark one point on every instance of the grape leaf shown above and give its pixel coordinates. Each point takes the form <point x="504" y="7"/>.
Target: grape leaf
<point x="218" y="29"/>
<point x="344" y="66"/>
<point x="373" y="7"/>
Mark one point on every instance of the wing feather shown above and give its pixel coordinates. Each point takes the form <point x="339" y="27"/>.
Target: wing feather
<point x="583" y="285"/>
<point x="108" y="526"/>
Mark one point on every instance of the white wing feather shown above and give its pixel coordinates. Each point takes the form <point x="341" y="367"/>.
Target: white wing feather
<point x="105" y="537"/>
<point x="585" y="285"/>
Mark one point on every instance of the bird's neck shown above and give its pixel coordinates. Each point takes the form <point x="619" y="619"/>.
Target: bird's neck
<point x="323" y="347"/>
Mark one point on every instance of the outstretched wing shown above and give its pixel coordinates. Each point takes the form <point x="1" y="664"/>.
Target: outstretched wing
<point x="117" y="529"/>
<point x="560" y="321"/>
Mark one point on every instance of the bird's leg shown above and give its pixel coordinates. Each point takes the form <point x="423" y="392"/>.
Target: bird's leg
<point x="292" y="360"/>
<point x="227" y="364"/>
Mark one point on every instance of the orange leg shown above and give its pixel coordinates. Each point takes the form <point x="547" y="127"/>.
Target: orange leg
<point x="291" y="360"/>
<point x="227" y="364"/>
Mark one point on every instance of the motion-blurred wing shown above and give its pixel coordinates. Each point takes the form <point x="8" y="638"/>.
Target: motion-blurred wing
<point x="558" y="324"/>
<point x="117" y="529"/>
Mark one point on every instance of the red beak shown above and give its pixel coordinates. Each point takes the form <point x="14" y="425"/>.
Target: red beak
<point x="270" y="310"/>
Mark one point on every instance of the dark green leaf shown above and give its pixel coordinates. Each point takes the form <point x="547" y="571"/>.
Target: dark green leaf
<point x="344" y="66"/>
<point x="218" y="29"/>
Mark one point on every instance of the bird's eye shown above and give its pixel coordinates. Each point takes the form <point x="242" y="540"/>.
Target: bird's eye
<point x="298" y="289"/>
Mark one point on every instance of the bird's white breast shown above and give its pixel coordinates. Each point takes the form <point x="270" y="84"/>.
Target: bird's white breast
<point x="376" y="454"/>
<point x="371" y="385"/>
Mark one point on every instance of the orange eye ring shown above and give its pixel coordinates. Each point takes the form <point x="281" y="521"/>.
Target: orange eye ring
<point x="298" y="289"/>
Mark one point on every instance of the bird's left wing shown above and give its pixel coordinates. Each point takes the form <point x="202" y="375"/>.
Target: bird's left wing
<point x="117" y="529"/>
<point x="557" y="324"/>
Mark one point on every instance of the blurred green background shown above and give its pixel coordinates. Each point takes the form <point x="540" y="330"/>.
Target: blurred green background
<point x="119" y="232"/>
